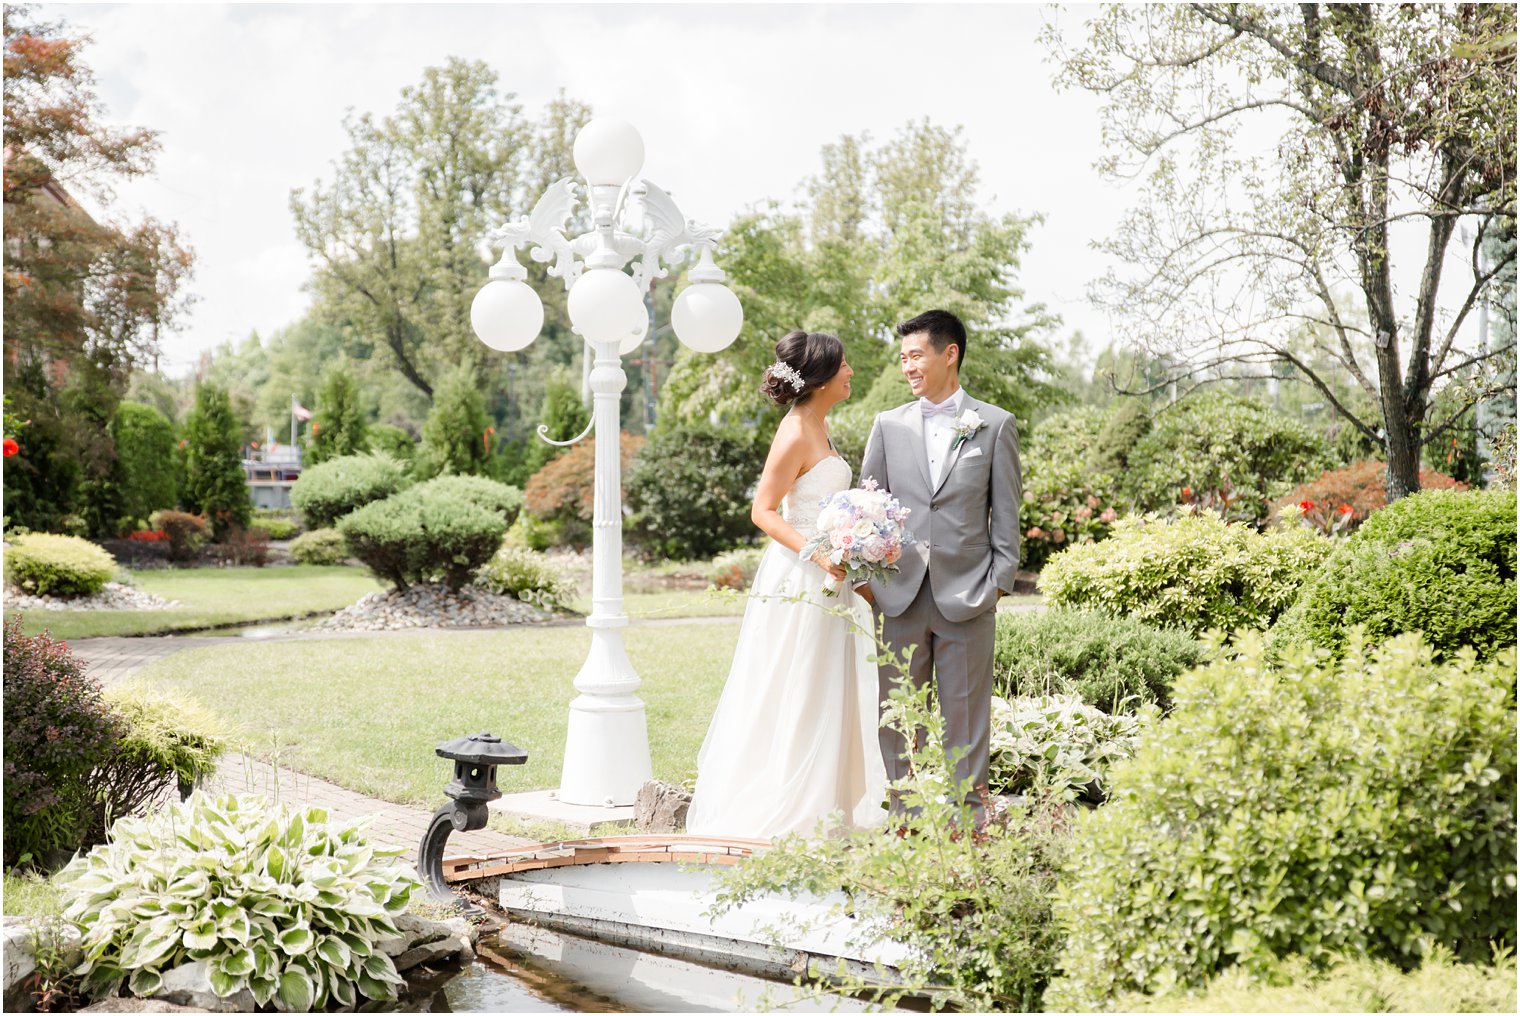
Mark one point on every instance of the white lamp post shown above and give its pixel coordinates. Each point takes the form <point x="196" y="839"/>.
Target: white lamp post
<point x="607" y="745"/>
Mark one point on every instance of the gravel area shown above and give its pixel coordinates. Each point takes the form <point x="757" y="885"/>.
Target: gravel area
<point x="114" y="596"/>
<point x="432" y="606"/>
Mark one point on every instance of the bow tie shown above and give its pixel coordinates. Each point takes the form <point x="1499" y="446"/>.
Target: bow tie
<point x="929" y="409"/>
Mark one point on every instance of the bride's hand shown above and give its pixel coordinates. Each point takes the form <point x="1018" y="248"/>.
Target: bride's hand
<point x="821" y="559"/>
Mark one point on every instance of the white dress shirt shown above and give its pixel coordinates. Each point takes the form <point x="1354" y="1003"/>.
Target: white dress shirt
<point x="939" y="435"/>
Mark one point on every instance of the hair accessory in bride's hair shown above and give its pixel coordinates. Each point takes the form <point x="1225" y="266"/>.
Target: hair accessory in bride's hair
<point x="787" y="373"/>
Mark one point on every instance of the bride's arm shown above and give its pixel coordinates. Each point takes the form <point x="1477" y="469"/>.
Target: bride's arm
<point x="782" y="467"/>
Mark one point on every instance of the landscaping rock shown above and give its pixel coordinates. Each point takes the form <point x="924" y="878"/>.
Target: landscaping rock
<point x="114" y="596"/>
<point x="455" y="946"/>
<point x="138" y="1005"/>
<point x="417" y="931"/>
<point x="661" y="808"/>
<point x="19" y="935"/>
<point x="433" y="606"/>
<point x="190" y="984"/>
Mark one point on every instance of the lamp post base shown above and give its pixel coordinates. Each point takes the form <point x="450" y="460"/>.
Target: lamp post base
<point x="606" y="751"/>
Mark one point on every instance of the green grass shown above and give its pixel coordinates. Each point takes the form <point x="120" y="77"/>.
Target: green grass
<point x="366" y="713"/>
<point x="31" y="896"/>
<point x="212" y="597"/>
<point x="664" y="603"/>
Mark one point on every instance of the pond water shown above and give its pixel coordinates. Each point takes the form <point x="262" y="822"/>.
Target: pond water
<point x="260" y="631"/>
<point x="528" y="969"/>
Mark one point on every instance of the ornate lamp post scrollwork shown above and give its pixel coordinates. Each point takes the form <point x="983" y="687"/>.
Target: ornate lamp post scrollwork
<point x="607" y="743"/>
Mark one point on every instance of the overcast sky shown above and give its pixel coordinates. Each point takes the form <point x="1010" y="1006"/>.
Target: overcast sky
<point x="733" y="101"/>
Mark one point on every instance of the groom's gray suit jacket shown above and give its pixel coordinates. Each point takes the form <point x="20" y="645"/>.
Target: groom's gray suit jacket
<point x="966" y="529"/>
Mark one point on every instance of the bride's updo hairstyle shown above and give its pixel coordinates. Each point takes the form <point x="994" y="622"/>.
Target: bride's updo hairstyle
<point x="805" y="362"/>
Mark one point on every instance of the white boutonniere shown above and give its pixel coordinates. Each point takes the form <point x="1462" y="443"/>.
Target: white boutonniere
<point x="967" y="424"/>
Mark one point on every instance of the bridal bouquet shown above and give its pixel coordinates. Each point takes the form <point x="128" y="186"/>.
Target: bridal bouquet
<point x="862" y="530"/>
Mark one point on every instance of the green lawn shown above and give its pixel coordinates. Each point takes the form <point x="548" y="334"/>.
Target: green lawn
<point x="31" y="896"/>
<point x="367" y="713"/>
<point x="212" y="597"/>
<point x="662" y="603"/>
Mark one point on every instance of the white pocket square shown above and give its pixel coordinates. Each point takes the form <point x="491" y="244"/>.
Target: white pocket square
<point x="971" y="453"/>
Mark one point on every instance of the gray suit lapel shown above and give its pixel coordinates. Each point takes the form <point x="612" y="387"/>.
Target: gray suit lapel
<point x="915" y="423"/>
<point x="967" y="404"/>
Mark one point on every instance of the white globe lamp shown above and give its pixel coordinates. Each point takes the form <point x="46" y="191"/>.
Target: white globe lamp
<point x="707" y="317"/>
<point x="636" y="337"/>
<point x="608" y="151"/>
<point x="507" y="315"/>
<point x="603" y="305"/>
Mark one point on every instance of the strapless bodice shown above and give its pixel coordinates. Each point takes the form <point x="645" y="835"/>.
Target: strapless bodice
<point x="800" y="507"/>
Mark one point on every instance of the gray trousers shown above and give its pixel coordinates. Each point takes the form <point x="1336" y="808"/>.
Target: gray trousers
<point x="957" y="656"/>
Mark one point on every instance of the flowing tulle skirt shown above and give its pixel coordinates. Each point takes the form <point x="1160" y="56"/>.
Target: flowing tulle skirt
<point x="793" y="740"/>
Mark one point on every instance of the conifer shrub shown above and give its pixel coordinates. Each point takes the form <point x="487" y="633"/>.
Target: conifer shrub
<point x="326" y="493"/>
<point x="50" y="565"/>
<point x="1307" y="806"/>
<point x="319" y="546"/>
<point x="423" y="535"/>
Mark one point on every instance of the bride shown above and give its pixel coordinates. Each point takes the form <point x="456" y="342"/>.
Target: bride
<point x="794" y="738"/>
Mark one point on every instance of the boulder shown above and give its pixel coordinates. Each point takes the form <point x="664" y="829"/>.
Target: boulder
<point x="138" y="1005"/>
<point x="190" y="984"/>
<point x="454" y="947"/>
<point x="661" y="808"/>
<point x="417" y="930"/>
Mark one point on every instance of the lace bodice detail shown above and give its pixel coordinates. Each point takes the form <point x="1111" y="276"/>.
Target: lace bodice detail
<point x="800" y="506"/>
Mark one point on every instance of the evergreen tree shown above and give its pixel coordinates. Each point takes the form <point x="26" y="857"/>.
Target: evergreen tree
<point x="454" y="436"/>
<point x="214" y="482"/>
<point x="341" y="428"/>
<point x="145" y="452"/>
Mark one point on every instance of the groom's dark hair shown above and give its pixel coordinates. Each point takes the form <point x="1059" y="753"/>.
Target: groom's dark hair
<point x="944" y="328"/>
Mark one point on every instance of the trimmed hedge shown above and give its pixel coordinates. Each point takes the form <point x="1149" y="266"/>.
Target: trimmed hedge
<point x="423" y="536"/>
<point x="326" y="493"/>
<point x="501" y="498"/>
<point x="1192" y="572"/>
<point x="1361" y="807"/>
<point x="1113" y="664"/>
<point x="1440" y="562"/>
<point x="50" y="565"/>
<point x="689" y="491"/>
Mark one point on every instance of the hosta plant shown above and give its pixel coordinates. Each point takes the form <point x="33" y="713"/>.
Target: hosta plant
<point x="273" y="899"/>
<point x="1059" y="744"/>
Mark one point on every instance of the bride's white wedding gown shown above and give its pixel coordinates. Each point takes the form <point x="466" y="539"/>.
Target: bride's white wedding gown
<point x="794" y="738"/>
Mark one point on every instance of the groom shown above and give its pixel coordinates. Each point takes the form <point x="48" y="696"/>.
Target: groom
<point x="955" y="462"/>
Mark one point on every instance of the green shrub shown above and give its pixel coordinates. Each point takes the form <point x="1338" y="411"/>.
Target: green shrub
<point x="735" y="569"/>
<point x="50" y="565"/>
<point x="215" y="485"/>
<point x="163" y="745"/>
<point x="186" y="532"/>
<point x="1440" y="562"/>
<point x="278" y="525"/>
<point x="503" y="499"/>
<point x="144" y="440"/>
<point x="529" y="576"/>
<point x="689" y="491"/>
<point x="1219" y="442"/>
<point x="1193" y="572"/>
<point x="454" y="435"/>
<point x="274" y="900"/>
<point x="1439" y="984"/>
<point x="326" y="493"/>
<point x="1365" y="807"/>
<point x="1066" y="500"/>
<point x="391" y="440"/>
<point x="1057" y="745"/>
<point x="340" y="427"/>
<point x="531" y="533"/>
<point x="320" y="546"/>
<point x="57" y="729"/>
<point x="423" y="536"/>
<point x="1116" y="664"/>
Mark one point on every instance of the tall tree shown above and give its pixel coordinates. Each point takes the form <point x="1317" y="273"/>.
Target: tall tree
<point x="1395" y="124"/>
<point x="454" y="439"/>
<point x="888" y="231"/>
<point x="85" y="296"/>
<point x="215" y="484"/>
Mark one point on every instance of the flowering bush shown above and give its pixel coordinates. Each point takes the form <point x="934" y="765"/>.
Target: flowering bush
<point x="1067" y="498"/>
<point x="273" y="900"/>
<point x="1440" y="562"/>
<point x="51" y="565"/>
<point x="1193" y="572"/>
<point x="1311" y="807"/>
<point x="862" y="530"/>
<point x="1217" y="442"/>
<point x="1057" y="745"/>
<point x="187" y="533"/>
<point x="148" y="536"/>
<point x="1340" y="500"/>
<point x="57" y="729"/>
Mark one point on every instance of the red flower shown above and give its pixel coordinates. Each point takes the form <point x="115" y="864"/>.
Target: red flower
<point x="1345" y="509"/>
<point x="11" y="447"/>
<point x="1187" y="491"/>
<point x="1307" y="506"/>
